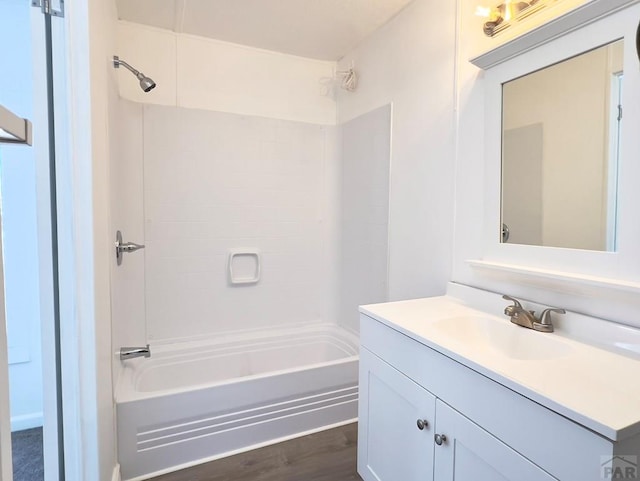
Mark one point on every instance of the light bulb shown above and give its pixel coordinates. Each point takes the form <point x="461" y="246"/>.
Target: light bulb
<point x="508" y="10"/>
<point x="484" y="12"/>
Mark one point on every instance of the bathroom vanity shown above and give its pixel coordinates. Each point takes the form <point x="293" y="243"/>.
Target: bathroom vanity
<point x="450" y="389"/>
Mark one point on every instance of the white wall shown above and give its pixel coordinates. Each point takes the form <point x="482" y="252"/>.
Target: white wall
<point x="470" y="144"/>
<point x="217" y="181"/>
<point x="409" y="63"/>
<point x="19" y="223"/>
<point x="201" y="73"/>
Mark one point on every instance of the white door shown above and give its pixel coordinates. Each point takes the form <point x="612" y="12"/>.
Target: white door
<point x="395" y="430"/>
<point x="469" y="453"/>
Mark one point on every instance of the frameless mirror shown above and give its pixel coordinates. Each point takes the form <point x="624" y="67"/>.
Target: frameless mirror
<point x="560" y="151"/>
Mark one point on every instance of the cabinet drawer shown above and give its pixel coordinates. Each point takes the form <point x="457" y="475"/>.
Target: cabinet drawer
<point x="560" y="446"/>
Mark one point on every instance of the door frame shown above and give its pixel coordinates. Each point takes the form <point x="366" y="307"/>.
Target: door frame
<point x="84" y="81"/>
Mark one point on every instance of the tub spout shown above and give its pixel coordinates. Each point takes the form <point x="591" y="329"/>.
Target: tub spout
<point x="131" y="352"/>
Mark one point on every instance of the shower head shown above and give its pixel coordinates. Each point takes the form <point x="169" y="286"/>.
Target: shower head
<point x="146" y="83"/>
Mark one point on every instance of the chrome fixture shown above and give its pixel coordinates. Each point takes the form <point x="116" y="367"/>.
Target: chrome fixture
<point x="422" y="424"/>
<point x="545" y="324"/>
<point x="146" y="83"/>
<point x="524" y="318"/>
<point x="122" y="247"/>
<point x="505" y="233"/>
<point x="132" y="352"/>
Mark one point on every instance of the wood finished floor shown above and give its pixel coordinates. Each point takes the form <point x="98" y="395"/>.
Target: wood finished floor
<point x="325" y="456"/>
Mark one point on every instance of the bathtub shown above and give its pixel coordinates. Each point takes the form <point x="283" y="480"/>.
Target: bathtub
<point x="197" y="401"/>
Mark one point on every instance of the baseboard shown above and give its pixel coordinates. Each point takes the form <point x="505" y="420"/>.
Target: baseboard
<point x="116" y="473"/>
<point x="26" y="421"/>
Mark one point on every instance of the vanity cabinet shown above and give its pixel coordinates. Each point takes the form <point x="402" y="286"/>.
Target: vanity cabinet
<point x="410" y="435"/>
<point x="488" y="430"/>
<point x="394" y="446"/>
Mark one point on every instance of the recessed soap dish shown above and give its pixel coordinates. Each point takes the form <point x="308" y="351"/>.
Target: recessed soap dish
<point x="244" y="266"/>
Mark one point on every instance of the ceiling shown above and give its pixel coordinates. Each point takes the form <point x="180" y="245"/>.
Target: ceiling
<point x="320" y="29"/>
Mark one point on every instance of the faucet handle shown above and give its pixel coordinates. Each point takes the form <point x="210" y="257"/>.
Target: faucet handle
<point x="545" y="317"/>
<point x="545" y="324"/>
<point x="515" y="301"/>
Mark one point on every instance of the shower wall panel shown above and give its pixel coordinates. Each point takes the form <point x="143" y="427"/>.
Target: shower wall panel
<point x="217" y="181"/>
<point x="364" y="227"/>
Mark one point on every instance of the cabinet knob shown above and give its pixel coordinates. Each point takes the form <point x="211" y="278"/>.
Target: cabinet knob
<point x="439" y="439"/>
<point x="422" y="423"/>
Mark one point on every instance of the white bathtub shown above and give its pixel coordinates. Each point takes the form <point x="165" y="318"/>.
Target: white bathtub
<point x="193" y="402"/>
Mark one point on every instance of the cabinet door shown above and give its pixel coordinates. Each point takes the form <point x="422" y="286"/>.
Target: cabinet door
<point x="391" y="445"/>
<point x="469" y="453"/>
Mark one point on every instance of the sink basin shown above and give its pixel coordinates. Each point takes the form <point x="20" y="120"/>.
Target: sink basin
<point x="502" y="336"/>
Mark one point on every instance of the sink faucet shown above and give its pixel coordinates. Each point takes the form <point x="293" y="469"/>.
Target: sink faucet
<point x="522" y="317"/>
<point x="131" y="352"/>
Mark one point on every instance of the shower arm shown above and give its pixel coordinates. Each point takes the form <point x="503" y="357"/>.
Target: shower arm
<point x="117" y="62"/>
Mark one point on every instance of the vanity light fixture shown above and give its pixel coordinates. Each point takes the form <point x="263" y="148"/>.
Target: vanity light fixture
<point x="509" y="12"/>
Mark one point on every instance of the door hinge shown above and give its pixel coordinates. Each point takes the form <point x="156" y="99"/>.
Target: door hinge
<point x="619" y="113"/>
<point x="48" y="9"/>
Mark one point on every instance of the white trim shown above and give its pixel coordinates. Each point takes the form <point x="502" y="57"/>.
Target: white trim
<point x="73" y="50"/>
<point x="26" y="421"/>
<point x="45" y="260"/>
<point x="85" y="240"/>
<point x="559" y="280"/>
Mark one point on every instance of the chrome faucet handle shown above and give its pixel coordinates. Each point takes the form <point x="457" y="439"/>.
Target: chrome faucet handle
<point x="545" y="317"/>
<point x="123" y="247"/>
<point x="545" y="324"/>
<point x="132" y="352"/>
<point x="516" y="302"/>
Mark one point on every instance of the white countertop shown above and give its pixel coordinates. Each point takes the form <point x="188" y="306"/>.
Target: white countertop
<point x="594" y="387"/>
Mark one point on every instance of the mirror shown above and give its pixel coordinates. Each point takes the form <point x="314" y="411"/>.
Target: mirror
<point x="560" y="149"/>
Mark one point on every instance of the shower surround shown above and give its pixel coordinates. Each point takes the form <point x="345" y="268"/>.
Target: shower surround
<point x="215" y="182"/>
<point x="235" y="366"/>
